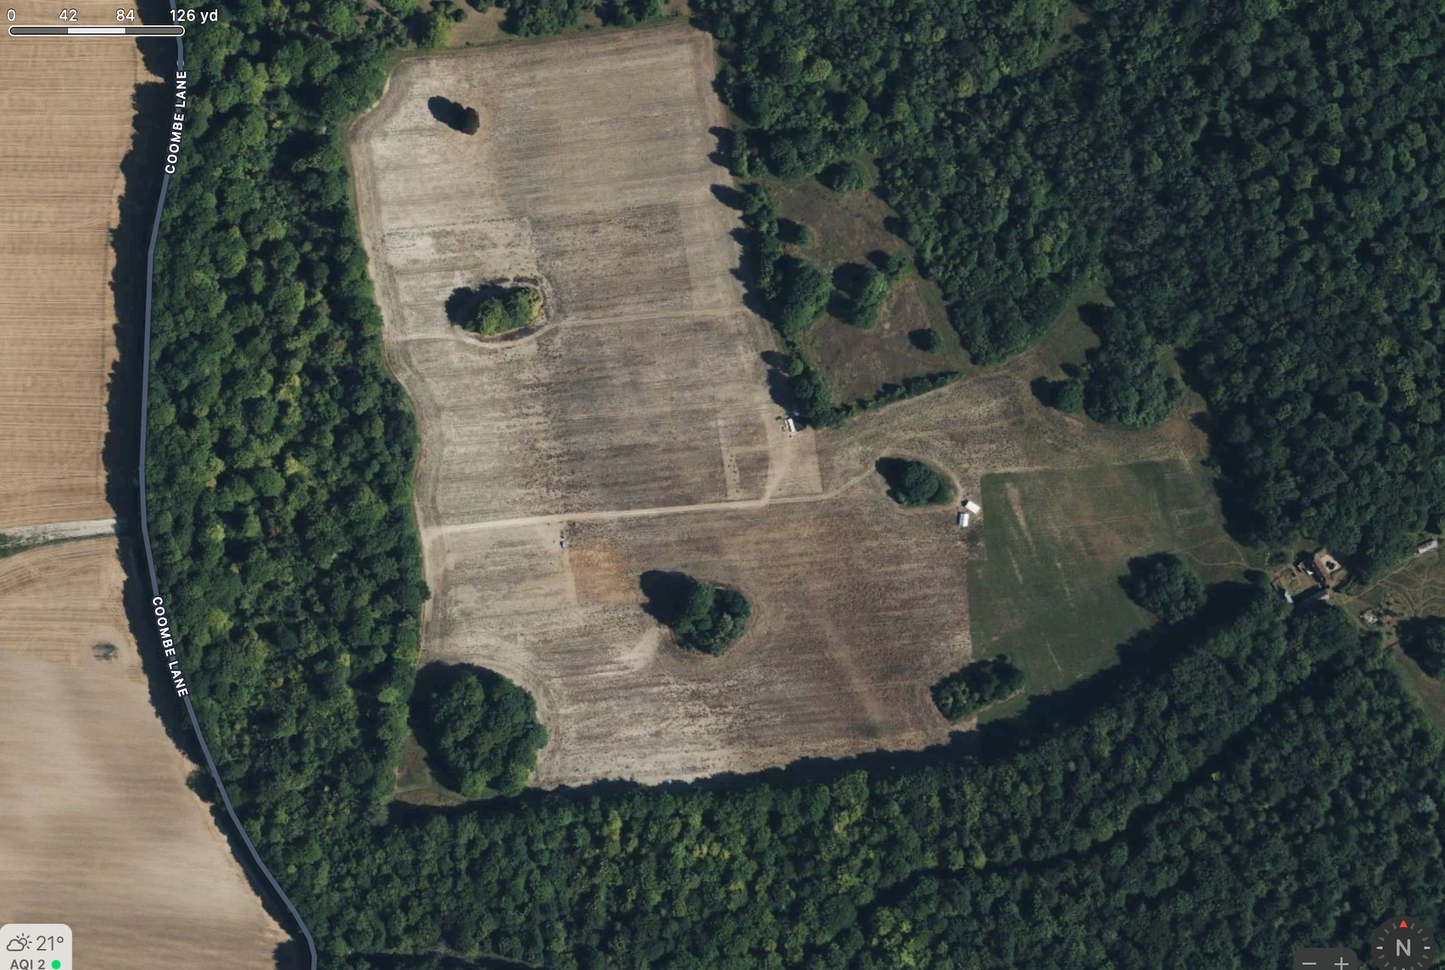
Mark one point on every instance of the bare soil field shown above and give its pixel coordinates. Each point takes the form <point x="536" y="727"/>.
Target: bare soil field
<point x="590" y="174"/>
<point x="67" y="107"/>
<point x="636" y="425"/>
<point x="98" y="828"/>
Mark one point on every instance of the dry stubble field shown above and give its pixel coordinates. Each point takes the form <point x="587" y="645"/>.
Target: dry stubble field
<point x="637" y="424"/>
<point x="66" y="105"/>
<point x="98" y="827"/>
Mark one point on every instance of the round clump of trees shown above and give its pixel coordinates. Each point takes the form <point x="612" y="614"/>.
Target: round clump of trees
<point x="702" y="616"/>
<point x="914" y="483"/>
<point x="1165" y="586"/>
<point x="847" y="176"/>
<point x="979" y="685"/>
<point x="479" y="729"/>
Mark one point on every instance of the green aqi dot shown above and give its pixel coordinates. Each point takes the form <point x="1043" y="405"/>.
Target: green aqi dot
<point x="55" y="964"/>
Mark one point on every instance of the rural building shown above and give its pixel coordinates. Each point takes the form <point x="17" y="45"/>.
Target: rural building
<point x="1326" y="566"/>
<point x="791" y="426"/>
<point x="973" y="507"/>
<point x="1428" y="545"/>
<point x="963" y="518"/>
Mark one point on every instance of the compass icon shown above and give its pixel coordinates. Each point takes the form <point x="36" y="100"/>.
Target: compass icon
<point x="1403" y="944"/>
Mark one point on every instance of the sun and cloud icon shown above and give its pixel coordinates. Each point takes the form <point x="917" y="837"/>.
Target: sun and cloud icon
<point x="18" y="944"/>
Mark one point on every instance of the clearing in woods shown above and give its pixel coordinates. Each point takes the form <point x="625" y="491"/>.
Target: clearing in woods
<point x="636" y="423"/>
<point x="1058" y="541"/>
<point x="98" y="827"/>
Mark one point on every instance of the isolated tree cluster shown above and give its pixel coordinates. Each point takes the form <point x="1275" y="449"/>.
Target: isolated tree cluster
<point x="878" y="282"/>
<point x="976" y="686"/>
<point x="504" y="312"/>
<point x="913" y="483"/>
<point x="702" y="616"/>
<point x="481" y="733"/>
<point x="1164" y="585"/>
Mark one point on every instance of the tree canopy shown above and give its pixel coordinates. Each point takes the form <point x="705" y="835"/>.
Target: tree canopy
<point x="1252" y="182"/>
<point x="1424" y="640"/>
<point x="976" y="686"/>
<point x="702" y="616"/>
<point x="480" y="731"/>
<point x="912" y="483"/>
<point x="1256" y="183"/>
<point x="1164" y="585"/>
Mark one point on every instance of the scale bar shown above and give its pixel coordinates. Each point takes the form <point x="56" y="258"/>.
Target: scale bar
<point x="144" y="30"/>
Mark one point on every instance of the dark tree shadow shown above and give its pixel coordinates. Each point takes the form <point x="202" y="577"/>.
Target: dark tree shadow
<point x="1047" y="391"/>
<point x="780" y="384"/>
<point x="449" y="113"/>
<point x="745" y="272"/>
<point x="666" y="593"/>
<point x="729" y="196"/>
<point x="462" y="305"/>
<point x="891" y="470"/>
<point x="726" y="142"/>
<point x="878" y="258"/>
<point x="895" y="225"/>
<point x="791" y="231"/>
<point x="925" y="339"/>
<point x="848" y="279"/>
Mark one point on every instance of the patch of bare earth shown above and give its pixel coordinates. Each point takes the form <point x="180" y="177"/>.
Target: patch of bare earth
<point x="98" y="828"/>
<point x="637" y="427"/>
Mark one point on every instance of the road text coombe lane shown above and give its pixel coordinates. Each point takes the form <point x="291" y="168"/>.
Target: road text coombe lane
<point x="168" y="644"/>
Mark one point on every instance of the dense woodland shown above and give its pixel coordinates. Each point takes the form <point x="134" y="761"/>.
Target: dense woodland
<point x="1254" y="182"/>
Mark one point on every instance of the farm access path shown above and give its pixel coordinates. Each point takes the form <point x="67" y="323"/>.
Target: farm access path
<point x="162" y="622"/>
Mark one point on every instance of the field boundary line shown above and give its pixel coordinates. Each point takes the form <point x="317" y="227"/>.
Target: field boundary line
<point x="611" y="515"/>
<point x="150" y="558"/>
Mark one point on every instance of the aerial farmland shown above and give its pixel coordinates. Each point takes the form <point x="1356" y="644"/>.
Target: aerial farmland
<point x="632" y="430"/>
<point x="98" y="824"/>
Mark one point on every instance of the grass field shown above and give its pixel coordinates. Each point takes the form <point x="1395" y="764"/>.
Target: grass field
<point x="849" y="229"/>
<point x="1057" y="543"/>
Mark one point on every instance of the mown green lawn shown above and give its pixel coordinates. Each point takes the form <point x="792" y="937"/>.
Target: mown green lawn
<point x="1056" y="544"/>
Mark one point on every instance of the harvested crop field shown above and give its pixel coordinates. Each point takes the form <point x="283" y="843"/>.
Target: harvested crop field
<point x="68" y="107"/>
<point x="636" y="425"/>
<point x="98" y="828"/>
<point x="590" y="175"/>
